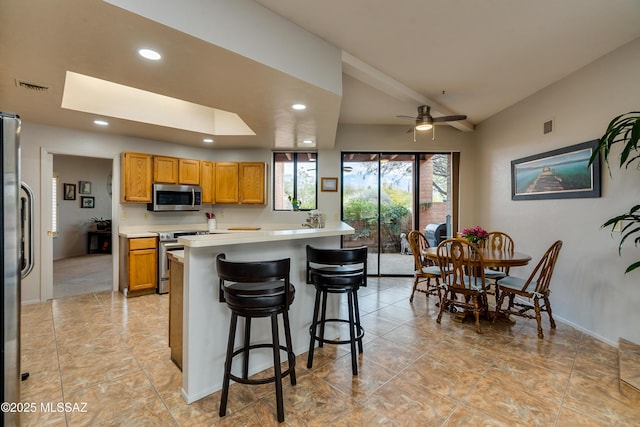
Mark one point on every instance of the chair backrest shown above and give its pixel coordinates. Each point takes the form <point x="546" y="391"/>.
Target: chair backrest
<point x="418" y="244"/>
<point x="317" y="258"/>
<point x="461" y="264"/>
<point x="499" y="241"/>
<point x="541" y="275"/>
<point x="253" y="272"/>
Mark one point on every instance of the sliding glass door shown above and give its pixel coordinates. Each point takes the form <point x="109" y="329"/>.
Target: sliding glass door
<point x="386" y="195"/>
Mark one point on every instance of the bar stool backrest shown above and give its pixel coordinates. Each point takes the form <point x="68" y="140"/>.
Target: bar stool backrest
<point x="330" y="261"/>
<point x="253" y="272"/>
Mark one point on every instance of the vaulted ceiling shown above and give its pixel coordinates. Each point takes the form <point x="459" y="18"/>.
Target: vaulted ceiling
<point x="461" y="57"/>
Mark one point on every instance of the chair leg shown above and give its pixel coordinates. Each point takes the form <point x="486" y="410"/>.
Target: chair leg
<point x="227" y="365"/>
<point x="536" y="307"/>
<point x="247" y="341"/>
<point x="357" y="315"/>
<point x="313" y="330"/>
<point x="352" y="336"/>
<point x="276" y="367"/>
<point x="547" y="305"/>
<point x="323" y="316"/>
<point x="443" y="303"/>
<point x="415" y="285"/>
<point x="499" y="302"/>
<point x="290" y="355"/>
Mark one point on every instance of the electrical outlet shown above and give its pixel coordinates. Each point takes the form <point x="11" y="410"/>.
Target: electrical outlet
<point x="146" y="216"/>
<point x="123" y="217"/>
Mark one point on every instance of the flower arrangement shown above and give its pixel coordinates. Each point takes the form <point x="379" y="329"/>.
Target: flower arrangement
<point x="475" y="235"/>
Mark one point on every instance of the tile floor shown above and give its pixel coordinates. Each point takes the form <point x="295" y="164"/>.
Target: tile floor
<point x="112" y="353"/>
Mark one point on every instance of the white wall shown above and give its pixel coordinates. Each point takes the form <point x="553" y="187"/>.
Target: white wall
<point x="73" y="221"/>
<point x="589" y="288"/>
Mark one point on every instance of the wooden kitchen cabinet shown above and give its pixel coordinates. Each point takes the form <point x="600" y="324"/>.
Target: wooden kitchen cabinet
<point x="165" y="170"/>
<point x="138" y="264"/>
<point x="136" y="177"/>
<point x="188" y="172"/>
<point x="252" y="183"/>
<point x="207" y="181"/>
<point x="226" y="182"/>
<point x="176" y="292"/>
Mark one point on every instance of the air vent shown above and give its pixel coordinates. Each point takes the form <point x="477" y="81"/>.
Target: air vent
<point x="32" y="86"/>
<point x="548" y="126"/>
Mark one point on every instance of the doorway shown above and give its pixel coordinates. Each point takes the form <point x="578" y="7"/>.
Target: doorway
<point x="386" y="195"/>
<point x="81" y="248"/>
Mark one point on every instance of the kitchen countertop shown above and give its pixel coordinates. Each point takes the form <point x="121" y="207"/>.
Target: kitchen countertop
<point x="136" y="231"/>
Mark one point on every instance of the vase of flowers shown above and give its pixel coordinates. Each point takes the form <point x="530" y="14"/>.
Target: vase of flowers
<point x="476" y="235"/>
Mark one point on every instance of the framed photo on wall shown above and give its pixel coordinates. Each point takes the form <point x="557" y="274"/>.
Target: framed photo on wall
<point x="69" y="191"/>
<point x="87" y="202"/>
<point x="328" y="184"/>
<point x="84" y="187"/>
<point x="558" y="174"/>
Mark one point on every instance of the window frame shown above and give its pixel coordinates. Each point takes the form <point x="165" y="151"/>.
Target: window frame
<point x="294" y="160"/>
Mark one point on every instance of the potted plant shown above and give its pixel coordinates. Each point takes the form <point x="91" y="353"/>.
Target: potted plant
<point x="624" y="128"/>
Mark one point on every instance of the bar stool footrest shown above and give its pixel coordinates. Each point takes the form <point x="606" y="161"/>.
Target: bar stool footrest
<point x="262" y="380"/>
<point x="359" y="330"/>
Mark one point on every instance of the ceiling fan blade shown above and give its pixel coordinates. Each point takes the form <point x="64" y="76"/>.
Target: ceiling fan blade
<point x="406" y="117"/>
<point x="449" y="118"/>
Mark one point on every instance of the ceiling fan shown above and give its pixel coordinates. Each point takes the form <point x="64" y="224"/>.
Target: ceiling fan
<point x="425" y="121"/>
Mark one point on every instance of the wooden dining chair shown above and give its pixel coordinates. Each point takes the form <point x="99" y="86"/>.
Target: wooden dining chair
<point x="535" y="287"/>
<point x="425" y="270"/>
<point x="501" y="242"/>
<point x="462" y="277"/>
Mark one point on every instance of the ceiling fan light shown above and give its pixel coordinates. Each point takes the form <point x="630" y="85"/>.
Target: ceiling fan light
<point x="424" y="126"/>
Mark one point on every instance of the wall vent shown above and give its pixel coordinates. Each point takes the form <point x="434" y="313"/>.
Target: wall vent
<point x="548" y="126"/>
<point x="32" y="86"/>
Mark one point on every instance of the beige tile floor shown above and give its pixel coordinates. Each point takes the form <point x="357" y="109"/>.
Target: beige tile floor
<point x="112" y="353"/>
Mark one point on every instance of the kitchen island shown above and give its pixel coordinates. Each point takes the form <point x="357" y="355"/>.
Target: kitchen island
<point x="206" y="320"/>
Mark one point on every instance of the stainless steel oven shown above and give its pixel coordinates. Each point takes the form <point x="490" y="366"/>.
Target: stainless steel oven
<point x="168" y="241"/>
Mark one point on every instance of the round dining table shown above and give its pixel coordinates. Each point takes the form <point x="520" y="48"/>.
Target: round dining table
<point x="491" y="257"/>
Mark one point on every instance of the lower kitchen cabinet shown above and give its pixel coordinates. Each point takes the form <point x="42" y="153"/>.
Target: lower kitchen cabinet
<point x="138" y="264"/>
<point x="176" y="272"/>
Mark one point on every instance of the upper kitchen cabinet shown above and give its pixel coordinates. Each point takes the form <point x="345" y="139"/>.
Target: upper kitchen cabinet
<point x="226" y="182"/>
<point x="136" y="177"/>
<point x="172" y="170"/>
<point x="165" y="170"/>
<point x="252" y="183"/>
<point x="188" y="172"/>
<point x="207" y="181"/>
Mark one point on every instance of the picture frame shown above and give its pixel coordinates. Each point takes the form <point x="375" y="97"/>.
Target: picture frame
<point x="87" y="202"/>
<point x="84" y="187"/>
<point x="69" y="192"/>
<point x="329" y="184"/>
<point x="564" y="173"/>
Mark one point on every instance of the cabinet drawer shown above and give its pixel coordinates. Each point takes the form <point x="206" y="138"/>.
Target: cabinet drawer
<point x="142" y="243"/>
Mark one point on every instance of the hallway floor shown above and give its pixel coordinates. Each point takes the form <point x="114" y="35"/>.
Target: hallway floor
<point x="112" y="353"/>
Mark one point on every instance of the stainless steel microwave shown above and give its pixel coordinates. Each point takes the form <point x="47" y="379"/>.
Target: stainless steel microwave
<point x="171" y="197"/>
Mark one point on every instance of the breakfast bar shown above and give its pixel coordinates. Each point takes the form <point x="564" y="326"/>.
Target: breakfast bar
<point x="206" y="320"/>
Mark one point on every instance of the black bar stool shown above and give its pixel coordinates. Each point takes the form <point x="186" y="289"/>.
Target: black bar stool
<point x="258" y="289"/>
<point x="337" y="271"/>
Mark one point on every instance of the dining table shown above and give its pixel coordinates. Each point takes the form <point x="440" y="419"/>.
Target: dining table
<point x="492" y="259"/>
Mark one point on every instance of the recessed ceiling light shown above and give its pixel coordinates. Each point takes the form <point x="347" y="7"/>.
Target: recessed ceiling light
<point x="208" y="140"/>
<point x="101" y="122"/>
<point x="150" y="54"/>
<point x="298" y="106"/>
<point x="307" y="141"/>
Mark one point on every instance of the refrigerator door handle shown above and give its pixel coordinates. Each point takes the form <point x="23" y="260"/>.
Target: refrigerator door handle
<point x="30" y="233"/>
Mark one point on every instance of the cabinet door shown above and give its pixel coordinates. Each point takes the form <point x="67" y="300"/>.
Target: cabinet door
<point x="165" y="170"/>
<point x="189" y="172"/>
<point x="252" y="183"/>
<point x="226" y="180"/>
<point x="206" y="182"/>
<point x="136" y="177"/>
<point x="143" y="269"/>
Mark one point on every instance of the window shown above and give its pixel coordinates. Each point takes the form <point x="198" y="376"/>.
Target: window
<point x="294" y="179"/>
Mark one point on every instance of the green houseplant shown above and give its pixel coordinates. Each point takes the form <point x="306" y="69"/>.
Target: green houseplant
<point x="624" y="128"/>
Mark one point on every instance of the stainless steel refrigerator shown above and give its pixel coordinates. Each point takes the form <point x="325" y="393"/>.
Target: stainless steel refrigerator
<point x="17" y="255"/>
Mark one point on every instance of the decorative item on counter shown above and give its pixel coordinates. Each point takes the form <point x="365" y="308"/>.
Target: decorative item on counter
<point x="315" y="219"/>
<point x="476" y="235"/>
<point x="211" y="221"/>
